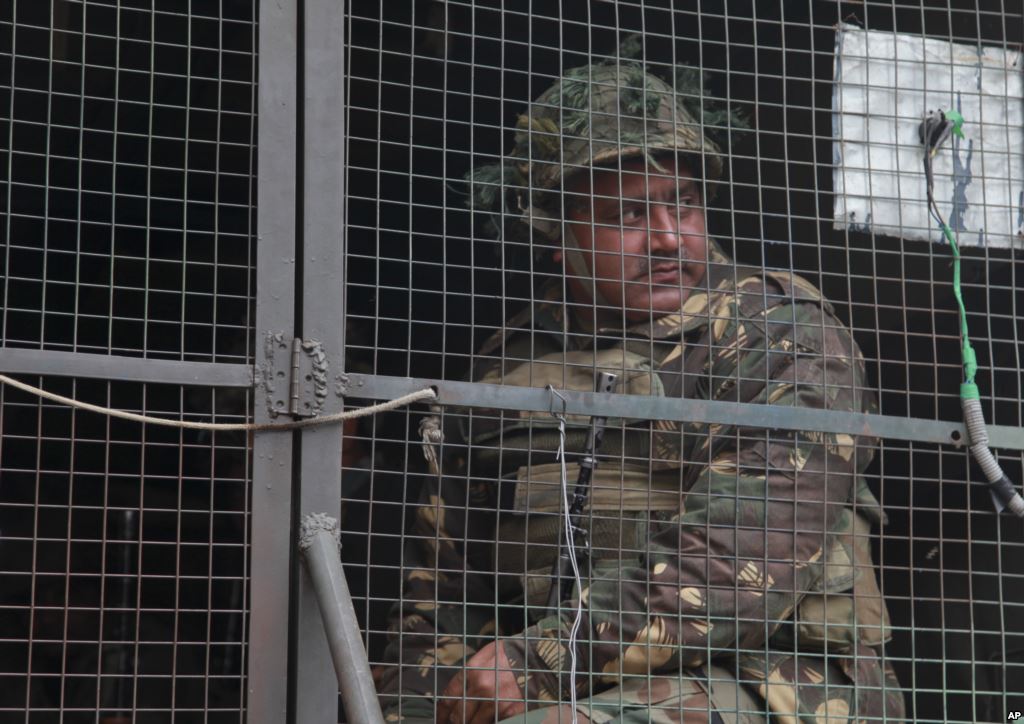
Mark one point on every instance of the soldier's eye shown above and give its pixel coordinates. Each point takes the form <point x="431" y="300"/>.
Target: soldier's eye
<point x="631" y="214"/>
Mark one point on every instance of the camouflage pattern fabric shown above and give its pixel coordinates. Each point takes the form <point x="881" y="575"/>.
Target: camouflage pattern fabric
<point x="594" y="114"/>
<point x="689" y="697"/>
<point x="793" y="688"/>
<point x="764" y="522"/>
<point x="599" y="113"/>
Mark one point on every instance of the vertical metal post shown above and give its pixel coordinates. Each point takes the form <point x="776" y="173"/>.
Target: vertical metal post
<point x="322" y="320"/>
<point x="272" y="539"/>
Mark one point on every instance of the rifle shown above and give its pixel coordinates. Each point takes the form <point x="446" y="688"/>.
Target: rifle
<point x="561" y="570"/>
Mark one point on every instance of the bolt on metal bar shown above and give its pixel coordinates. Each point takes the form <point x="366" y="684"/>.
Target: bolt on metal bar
<point x="319" y="545"/>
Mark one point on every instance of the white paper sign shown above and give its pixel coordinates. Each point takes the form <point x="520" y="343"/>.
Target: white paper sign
<point x="885" y="84"/>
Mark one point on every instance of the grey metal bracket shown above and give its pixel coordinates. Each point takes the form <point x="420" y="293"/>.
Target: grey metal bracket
<point x="294" y="376"/>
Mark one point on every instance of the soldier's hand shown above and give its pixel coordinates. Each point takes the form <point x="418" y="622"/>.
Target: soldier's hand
<point x="490" y="690"/>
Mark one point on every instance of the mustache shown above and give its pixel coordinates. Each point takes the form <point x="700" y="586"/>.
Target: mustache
<point x="646" y="263"/>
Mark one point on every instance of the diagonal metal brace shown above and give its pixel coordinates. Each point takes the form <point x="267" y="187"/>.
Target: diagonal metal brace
<point x="319" y="543"/>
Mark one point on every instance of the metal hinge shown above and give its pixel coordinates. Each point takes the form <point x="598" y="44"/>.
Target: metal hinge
<point x="294" y="375"/>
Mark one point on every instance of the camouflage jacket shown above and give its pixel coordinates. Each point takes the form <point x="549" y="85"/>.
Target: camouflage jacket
<point x="708" y="542"/>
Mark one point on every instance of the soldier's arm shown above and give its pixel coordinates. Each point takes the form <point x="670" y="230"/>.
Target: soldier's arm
<point x="732" y="566"/>
<point x="447" y="603"/>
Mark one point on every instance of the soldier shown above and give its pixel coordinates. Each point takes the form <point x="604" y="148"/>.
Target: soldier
<point x="730" y="575"/>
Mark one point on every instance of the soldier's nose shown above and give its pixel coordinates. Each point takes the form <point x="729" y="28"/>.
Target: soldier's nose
<point x="663" y="232"/>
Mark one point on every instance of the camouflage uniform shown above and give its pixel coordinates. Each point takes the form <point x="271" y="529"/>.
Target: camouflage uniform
<point x="730" y="576"/>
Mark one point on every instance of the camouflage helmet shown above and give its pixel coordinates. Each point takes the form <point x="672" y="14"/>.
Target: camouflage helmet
<point x="598" y="113"/>
<point x="593" y="115"/>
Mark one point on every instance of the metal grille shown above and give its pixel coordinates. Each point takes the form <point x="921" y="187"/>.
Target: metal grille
<point x="132" y="588"/>
<point x="128" y="196"/>
<point x="129" y="179"/>
<point x="124" y="557"/>
<point x="435" y="91"/>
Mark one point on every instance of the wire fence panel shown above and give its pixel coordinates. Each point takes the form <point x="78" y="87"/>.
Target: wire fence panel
<point x="770" y="513"/>
<point x="502" y="238"/>
<point x="124" y="557"/>
<point x="129" y="178"/>
<point x="127" y="189"/>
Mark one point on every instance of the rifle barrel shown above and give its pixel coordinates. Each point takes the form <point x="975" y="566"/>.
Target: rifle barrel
<point x="561" y="584"/>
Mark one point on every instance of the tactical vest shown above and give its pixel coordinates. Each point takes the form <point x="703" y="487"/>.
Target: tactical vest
<point x="641" y="479"/>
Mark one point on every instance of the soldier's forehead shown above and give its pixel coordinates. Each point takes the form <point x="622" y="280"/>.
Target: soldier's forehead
<point x="639" y="184"/>
<point x="634" y="172"/>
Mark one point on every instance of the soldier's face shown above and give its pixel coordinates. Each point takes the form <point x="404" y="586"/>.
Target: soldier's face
<point x="642" y="233"/>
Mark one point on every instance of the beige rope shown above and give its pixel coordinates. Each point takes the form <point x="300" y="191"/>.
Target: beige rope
<point x="424" y="394"/>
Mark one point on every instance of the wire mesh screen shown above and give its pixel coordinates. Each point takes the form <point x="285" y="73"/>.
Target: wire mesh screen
<point x="129" y="178"/>
<point x="538" y="192"/>
<point x="127" y="194"/>
<point x="124" y="557"/>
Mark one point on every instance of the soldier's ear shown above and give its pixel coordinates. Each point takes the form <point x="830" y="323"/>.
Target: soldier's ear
<point x="556" y="256"/>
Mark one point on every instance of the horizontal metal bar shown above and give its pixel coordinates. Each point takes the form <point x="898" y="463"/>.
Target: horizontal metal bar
<point x="534" y="399"/>
<point x="127" y="369"/>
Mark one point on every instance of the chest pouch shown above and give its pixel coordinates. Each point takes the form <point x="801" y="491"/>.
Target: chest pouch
<point x="615" y="519"/>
